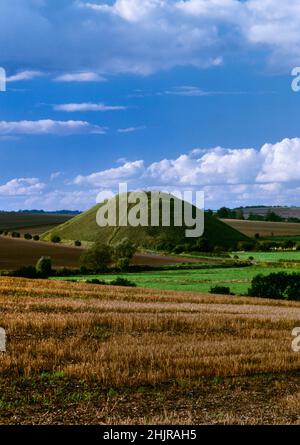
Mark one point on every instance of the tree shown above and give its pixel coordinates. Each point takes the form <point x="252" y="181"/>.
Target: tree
<point x="123" y="253"/>
<point x="28" y="236"/>
<point x="55" y="239"/>
<point x="44" y="266"/>
<point x="223" y="213"/>
<point x="97" y="258"/>
<point x="273" y="217"/>
<point x="203" y="245"/>
<point x="279" y="285"/>
<point x="77" y="243"/>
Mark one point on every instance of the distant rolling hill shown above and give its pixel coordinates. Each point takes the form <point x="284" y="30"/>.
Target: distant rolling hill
<point x="284" y="212"/>
<point x="265" y="228"/>
<point x="26" y="220"/>
<point x="84" y="228"/>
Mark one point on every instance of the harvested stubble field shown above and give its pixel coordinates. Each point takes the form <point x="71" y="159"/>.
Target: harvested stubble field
<point x="81" y="353"/>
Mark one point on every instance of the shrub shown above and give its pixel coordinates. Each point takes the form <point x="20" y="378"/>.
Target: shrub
<point x="289" y="244"/>
<point x="95" y="281"/>
<point x="24" y="272"/>
<point x="78" y="243"/>
<point x="180" y="248"/>
<point x="246" y="246"/>
<point x="280" y="285"/>
<point x="222" y="290"/>
<point x="44" y="267"/>
<point x="15" y="235"/>
<point x="55" y="239"/>
<point x="203" y="245"/>
<point x="122" y="282"/>
<point x="28" y="236"/>
<point x="36" y="238"/>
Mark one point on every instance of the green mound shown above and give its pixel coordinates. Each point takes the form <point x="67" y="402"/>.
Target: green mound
<point x="84" y="227"/>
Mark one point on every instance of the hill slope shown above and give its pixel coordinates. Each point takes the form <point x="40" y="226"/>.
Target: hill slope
<point x="84" y="227"/>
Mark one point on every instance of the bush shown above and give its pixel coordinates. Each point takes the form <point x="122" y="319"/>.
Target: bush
<point x="280" y="285"/>
<point x="95" y="281"/>
<point x="97" y="258"/>
<point x="203" y="245"/>
<point x="15" y="235"/>
<point x="44" y="267"/>
<point x="24" y="272"/>
<point x="36" y="238"/>
<point x="28" y="236"/>
<point x="78" y="243"/>
<point x="55" y="239"/>
<point x="222" y="290"/>
<point x="246" y="246"/>
<point x="122" y="282"/>
<point x="180" y="248"/>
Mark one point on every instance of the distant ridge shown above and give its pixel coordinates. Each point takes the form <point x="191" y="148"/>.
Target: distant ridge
<point x="42" y="212"/>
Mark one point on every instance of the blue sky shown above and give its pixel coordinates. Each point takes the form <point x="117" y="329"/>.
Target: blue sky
<point x="171" y="94"/>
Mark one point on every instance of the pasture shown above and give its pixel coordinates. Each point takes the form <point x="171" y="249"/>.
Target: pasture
<point x="79" y="353"/>
<point x="199" y="280"/>
<point x="279" y="255"/>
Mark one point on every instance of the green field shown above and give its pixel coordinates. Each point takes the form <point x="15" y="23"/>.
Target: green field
<point x="238" y="279"/>
<point x="270" y="256"/>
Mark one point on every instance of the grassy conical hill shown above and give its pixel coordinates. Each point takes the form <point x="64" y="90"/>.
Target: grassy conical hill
<point x="84" y="227"/>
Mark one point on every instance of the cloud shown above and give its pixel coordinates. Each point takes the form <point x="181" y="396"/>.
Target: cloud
<point x="143" y="36"/>
<point x="231" y="177"/>
<point x="217" y="166"/>
<point x="52" y="200"/>
<point x="270" y="175"/>
<point x="130" y="10"/>
<point x="71" y="108"/>
<point x="189" y="91"/>
<point x="48" y="126"/>
<point x="22" y="187"/>
<point x="55" y="175"/>
<point x="280" y="162"/>
<point x="127" y="171"/>
<point x="130" y="129"/>
<point x="192" y="91"/>
<point x="24" y="75"/>
<point x="80" y="77"/>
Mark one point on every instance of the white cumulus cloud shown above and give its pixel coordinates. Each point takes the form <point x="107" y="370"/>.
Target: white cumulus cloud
<point x="22" y="186"/>
<point x="48" y="126"/>
<point x="71" y="108"/>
